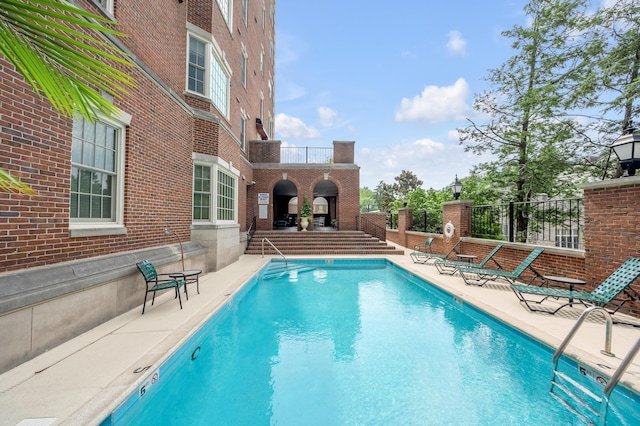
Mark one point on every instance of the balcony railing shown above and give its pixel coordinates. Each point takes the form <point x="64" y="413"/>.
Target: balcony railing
<point x="305" y="155"/>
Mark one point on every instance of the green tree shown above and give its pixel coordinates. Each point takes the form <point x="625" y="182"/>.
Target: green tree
<point x="367" y="200"/>
<point x="608" y="84"/>
<point x="528" y="131"/>
<point x="406" y="182"/>
<point x="60" y="51"/>
<point x="386" y="194"/>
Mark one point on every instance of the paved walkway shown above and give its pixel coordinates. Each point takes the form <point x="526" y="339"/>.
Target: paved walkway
<point x="82" y="381"/>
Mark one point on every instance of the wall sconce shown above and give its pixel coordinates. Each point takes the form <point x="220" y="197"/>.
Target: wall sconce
<point x="167" y="232"/>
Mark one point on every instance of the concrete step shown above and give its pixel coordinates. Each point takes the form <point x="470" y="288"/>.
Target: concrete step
<point x="320" y="243"/>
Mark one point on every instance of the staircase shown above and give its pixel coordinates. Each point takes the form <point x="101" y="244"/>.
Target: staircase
<point x="320" y="243"/>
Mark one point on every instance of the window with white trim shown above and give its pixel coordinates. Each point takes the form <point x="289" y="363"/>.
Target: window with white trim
<point x="201" y="192"/>
<point x="197" y="68"/>
<point x="219" y="86"/>
<point x="243" y="66"/>
<point x="97" y="174"/>
<point x="262" y="62"/>
<point x="245" y="11"/>
<point x="106" y="5"/>
<point x="243" y="128"/>
<point x="215" y="190"/>
<point x="226" y="196"/>
<point x="208" y="74"/>
<point x="569" y="238"/>
<point x="226" y="8"/>
<point x="261" y="106"/>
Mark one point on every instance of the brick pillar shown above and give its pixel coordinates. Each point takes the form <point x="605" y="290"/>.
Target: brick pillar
<point x="459" y="213"/>
<point x="611" y="226"/>
<point x="404" y="224"/>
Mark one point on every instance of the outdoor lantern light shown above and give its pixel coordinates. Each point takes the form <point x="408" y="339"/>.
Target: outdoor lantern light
<point x="404" y="201"/>
<point x="456" y="188"/>
<point x="627" y="149"/>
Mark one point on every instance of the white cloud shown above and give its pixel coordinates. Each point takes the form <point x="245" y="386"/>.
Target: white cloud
<point x="288" y="127"/>
<point x="453" y="136"/>
<point x="327" y="117"/>
<point x="421" y="157"/>
<point x="456" y="45"/>
<point x="436" y="104"/>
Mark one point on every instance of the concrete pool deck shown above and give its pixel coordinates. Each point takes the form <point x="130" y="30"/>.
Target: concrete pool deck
<point x="82" y="381"/>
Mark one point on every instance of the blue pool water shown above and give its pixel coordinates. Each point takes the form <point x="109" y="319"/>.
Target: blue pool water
<point x="354" y="343"/>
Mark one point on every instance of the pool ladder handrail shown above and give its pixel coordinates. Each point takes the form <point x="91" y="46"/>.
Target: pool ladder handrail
<point x="615" y="378"/>
<point x="276" y="249"/>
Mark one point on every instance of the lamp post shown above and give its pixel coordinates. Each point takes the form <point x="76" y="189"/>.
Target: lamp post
<point x="627" y="149"/>
<point x="368" y="207"/>
<point x="167" y="232"/>
<point x="456" y="188"/>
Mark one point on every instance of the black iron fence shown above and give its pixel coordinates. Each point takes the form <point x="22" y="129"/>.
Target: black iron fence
<point x="305" y="155"/>
<point x="557" y="223"/>
<point x="427" y="221"/>
<point x="392" y="221"/>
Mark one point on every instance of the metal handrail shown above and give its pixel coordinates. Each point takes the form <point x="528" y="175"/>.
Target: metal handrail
<point x="276" y="249"/>
<point x="572" y="332"/>
<point x="622" y="368"/>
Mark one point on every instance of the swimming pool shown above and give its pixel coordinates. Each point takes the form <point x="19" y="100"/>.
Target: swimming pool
<point x="354" y="342"/>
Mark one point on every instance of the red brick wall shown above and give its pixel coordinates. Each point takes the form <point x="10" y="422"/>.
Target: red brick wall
<point x="343" y="152"/>
<point x="346" y="179"/>
<point x="612" y="226"/>
<point x="35" y="142"/>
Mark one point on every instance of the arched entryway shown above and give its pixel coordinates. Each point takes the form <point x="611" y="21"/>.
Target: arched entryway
<point x="285" y="208"/>
<point x="325" y="204"/>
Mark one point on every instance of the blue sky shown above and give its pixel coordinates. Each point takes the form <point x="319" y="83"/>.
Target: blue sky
<point x="398" y="80"/>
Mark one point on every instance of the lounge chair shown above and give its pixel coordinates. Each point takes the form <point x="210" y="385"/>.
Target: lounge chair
<point x="155" y="283"/>
<point x="423" y="254"/>
<point x="606" y="293"/>
<point x="480" y="276"/>
<point x="450" y="267"/>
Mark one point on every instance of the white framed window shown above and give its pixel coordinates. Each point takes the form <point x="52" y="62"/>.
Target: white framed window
<point x="201" y="192"/>
<point x="245" y="11"/>
<point x="227" y="196"/>
<point x="243" y="128"/>
<point x="215" y="190"/>
<point x="261" y="106"/>
<point x="262" y="62"/>
<point x="270" y="89"/>
<point x="243" y="65"/>
<point x="106" y="5"/>
<point x="226" y="8"/>
<point x="271" y="51"/>
<point x="197" y="66"/>
<point x="220" y="86"/>
<point x="208" y="73"/>
<point x="569" y="238"/>
<point x="96" y="204"/>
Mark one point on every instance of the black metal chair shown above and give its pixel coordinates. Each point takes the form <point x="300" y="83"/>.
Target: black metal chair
<point x="155" y="283"/>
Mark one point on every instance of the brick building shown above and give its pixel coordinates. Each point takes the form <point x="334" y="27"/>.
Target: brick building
<point x="175" y="167"/>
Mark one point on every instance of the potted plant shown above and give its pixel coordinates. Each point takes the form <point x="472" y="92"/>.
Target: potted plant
<point x="305" y="213"/>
